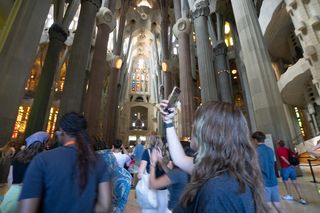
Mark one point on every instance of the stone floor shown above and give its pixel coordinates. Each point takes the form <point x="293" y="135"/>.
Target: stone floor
<point x="311" y="192"/>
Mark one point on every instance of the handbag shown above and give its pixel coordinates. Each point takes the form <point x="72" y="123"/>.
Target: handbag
<point x="146" y="197"/>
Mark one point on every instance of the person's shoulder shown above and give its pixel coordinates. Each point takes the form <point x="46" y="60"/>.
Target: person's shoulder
<point x="218" y="183"/>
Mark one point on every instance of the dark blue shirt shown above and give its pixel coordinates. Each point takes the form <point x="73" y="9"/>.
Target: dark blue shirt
<point x="138" y="151"/>
<point x="220" y="195"/>
<point x="266" y="162"/>
<point x="179" y="179"/>
<point x="53" y="177"/>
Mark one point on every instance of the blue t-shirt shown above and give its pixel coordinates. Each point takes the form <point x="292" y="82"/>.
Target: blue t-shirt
<point x="220" y="195"/>
<point x="53" y="177"/>
<point x="266" y="162"/>
<point x="179" y="179"/>
<point x="138" y="151"/>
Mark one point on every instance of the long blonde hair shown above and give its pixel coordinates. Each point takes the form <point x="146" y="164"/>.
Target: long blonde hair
<point x="222" y="136"/>
<point x="153" y="140"/>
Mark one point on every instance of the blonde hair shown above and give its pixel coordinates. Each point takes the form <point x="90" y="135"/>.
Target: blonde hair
<point x="153" y="140"/>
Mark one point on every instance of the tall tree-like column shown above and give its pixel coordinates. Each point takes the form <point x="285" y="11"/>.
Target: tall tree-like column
<point x="167" y="76"/>
<point x="181" y="30"/>
<point x="58" y="33"/>
<point x="221" y="65"/>
<point x="267" y="104"/>
<point x="75" y="82"/>
<point x="16" y="58"/>
<point x="109" y="121"/>
<point x="206" y="69"/>
<point x="105" y="23"/>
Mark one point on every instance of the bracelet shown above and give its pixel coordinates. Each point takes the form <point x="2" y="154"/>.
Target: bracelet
<point x="168" y="125"/>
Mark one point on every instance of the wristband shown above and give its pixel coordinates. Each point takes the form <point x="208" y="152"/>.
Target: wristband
<point x="168" y="125"/>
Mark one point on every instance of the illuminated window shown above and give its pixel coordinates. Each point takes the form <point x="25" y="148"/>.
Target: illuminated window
<point x="21" y="121"/>
<point x="51" y="126"/>
<point x="299" y="119"/>
<point x="140" y="78"/>
<point x="228" y="35"/>
<point x="60" y="82"/>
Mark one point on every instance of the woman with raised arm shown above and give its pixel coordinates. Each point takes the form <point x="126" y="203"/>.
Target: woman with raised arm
<point x="70" y="178"/>
<point x="224" y="173"/>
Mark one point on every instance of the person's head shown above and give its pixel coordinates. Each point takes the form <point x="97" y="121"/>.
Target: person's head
<point x="117" y="144"/>
<point x="99" y="144"/>
<point x="153" y="140"/>
<point x="221" y="135"/>
<point x="73" y="127"/>
<point x="281" y="143"/>
<point x="258" y="137"/>
<point x="138" y="141"/>
<point x="30" y="151"/>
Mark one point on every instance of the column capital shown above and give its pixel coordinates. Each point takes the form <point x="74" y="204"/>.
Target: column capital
<point x="183" y="25"/>
<point x="201" y="8"/>
<point x="220" y="48"/>
<point x="56" y="32"/>
<point x="105" y="16"/>
<point x="96" y="3"/>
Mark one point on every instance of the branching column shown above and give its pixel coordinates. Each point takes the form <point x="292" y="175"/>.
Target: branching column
<point x="205" y="63"/>
<point x="110" y="117"/>
<point x="222" y="72"/>
<point x="267" y="104"/>
<point x="75" y="82"/>
<point x="16" y="59"/>
<point x="57" y="37"/>
<point x="181" y="30"/>
<point x="93" y="100"/>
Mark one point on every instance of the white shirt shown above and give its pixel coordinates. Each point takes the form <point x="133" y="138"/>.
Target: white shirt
<point x="121" y="158"/>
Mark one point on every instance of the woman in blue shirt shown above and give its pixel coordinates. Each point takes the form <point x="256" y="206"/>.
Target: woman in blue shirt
<point x="70" y="178"/>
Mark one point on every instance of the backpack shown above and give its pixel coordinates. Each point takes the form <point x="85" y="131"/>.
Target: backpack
<point x="294" y="158"/>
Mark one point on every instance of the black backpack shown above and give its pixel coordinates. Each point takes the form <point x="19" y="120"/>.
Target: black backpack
<point x="293" y="158"/>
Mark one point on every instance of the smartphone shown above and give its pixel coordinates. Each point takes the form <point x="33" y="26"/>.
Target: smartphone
<point x="173" y="98"/>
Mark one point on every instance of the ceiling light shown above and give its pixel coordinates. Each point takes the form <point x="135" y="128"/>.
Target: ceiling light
<point x="144" y="3"/>
<point x="234" y="72"/>
<point x="164" y="66"/>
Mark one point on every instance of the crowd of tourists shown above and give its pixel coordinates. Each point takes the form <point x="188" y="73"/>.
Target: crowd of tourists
<point x="222" y="169"/>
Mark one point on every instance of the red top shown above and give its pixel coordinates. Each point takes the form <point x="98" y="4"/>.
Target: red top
<point x="283" y="151"/>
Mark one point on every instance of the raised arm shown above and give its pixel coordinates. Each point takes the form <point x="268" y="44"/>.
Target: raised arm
<point x="157" y="183"/>
<point x="179" y="158"/>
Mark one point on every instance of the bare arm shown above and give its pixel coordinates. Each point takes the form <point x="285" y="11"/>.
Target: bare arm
<point x="142" y="168"/>
<point x="103" y="198"/>
<point x="10" y="177"/>
<point x="178" y="156"/>
<point x="285" y="160"/>
<point x="314" y="150"/>
<point x="29" y="205"/>
<point x="124" y="150"/>
<point x="157" y="183"/>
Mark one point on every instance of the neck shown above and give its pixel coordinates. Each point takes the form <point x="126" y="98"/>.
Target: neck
<point x="69" y="143"/>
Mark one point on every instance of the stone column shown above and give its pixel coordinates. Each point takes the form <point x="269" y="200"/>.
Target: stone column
<point x="57" y="36"/>
<point x="181" y="30"/>
<point x="267" y="104"/>
<point x="110" y="116"/>
<point x="167" y="75"/>
<point x="220" y="51"/>
<point x="75" y="82"/>
<point x="105" y="23"/>
<point x="305" y="18"/>
<point x="206" y="69"/>
<point x="16" y="59"/>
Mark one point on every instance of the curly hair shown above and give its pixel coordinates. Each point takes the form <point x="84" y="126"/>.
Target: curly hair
<point x="221" y="134"/>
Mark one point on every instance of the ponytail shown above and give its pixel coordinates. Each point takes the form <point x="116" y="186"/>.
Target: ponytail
<point x="75" y="126"/>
